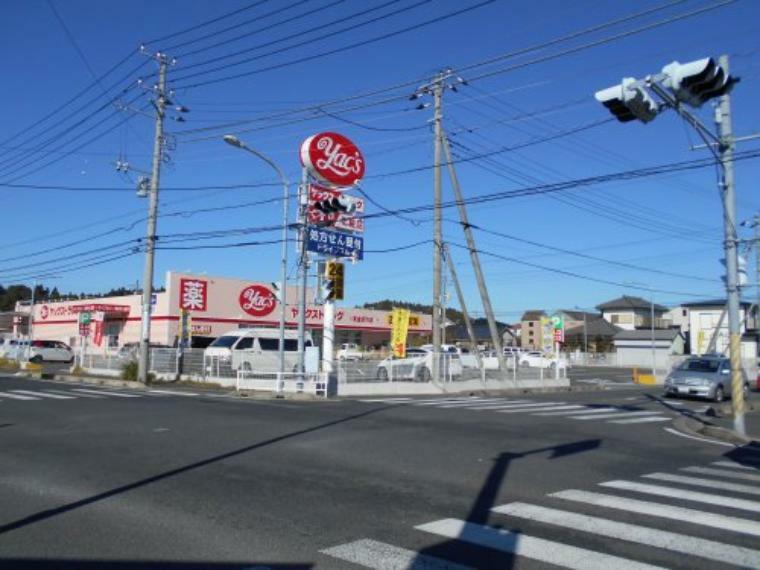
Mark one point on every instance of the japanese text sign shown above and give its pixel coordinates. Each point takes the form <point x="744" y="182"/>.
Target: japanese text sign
<point x="334" y="243"/>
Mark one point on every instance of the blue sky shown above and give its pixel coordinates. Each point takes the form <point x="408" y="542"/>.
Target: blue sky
<point x="669" y="223"/>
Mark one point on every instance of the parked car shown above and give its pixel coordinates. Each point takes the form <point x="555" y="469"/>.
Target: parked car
<point x="703" y="377"/>
<point x="349" y="351"/>
<point x="467" y="359"/>
<point x="417" y="366"/>
<point x="50" y="351"/>
<point x="537" y="359"/>
<point x="131" y="350"/>
<point x="256" y="349"/>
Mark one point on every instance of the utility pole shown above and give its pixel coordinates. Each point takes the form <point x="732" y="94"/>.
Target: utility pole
<point x="438" y="86"/>
<point x="484" y="296"/>
<point x="303" y="197"/>
<point x="651" y="318"/>
<point x="463" y="306"/>
<point x="150" y="244"/>
<point x="726" y="152"/>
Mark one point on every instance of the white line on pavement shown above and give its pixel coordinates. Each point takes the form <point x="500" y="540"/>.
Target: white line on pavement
<point x="439" y="401"/>
<point x="675" y="493"/>
<point x="43" y="395"/>
<point x="557" y="553"/>
<point x="676" y="542"/>
<point x="703" y="439"/>
<point x="387" y="400"/>
<point x="723" y="473"/>
<point x="527" y="407"/>
<point x="682" y="514"/>
<point x="533" y="410"/>
<point x="483" y="404"/>
<point x="65" y="393"/>
<point x="620" y="414"/>
<point x="699" y="482"/>
<point x="382" y="556"/>
<point x="734" y="465"/>
<point x="104" y="393"/>
<point x="642" y="420"/>
<point x="587" y="411"/>
<point x="172" y="393"/>
<point x="16" y="396"/>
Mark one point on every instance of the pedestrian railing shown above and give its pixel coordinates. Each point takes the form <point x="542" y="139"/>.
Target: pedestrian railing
<point x="316" y="384"/>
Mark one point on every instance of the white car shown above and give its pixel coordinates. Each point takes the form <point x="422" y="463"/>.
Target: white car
<point x="255" y="350"/>
<point x="536" y="359"/>
<point x="50" y="351"/>
<point x="349" y="351"/>
<point x="417" y="366"/>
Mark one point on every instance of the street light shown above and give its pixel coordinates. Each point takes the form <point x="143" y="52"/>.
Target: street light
<point x="236" y="142"/>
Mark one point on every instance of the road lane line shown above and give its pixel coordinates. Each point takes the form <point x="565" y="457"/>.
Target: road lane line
<point x="534" y="410"/>
<point x="172" y="393"/>
<point x="620" y="414"/>
<point x="734" y="465"/>
<point x="484" y="404"/>
<point x="682" y="514"/>
<point x="642" y="420"/>
<point x="587" y="411"/>
<point x="104" y="393"/>
<point x="527" y="407"/>
<point x="43" y="394"/>
<point x="557" y="553"/>
<point x="387" y="400"/>
<point x="699" y="482"/>
<point x="65" y="393"/>
<point x="16" y="396"/>
<point x="673" y="541"/>
<point x="382" y="556"/>
<point x="675" y="493"/>
<point x="702" y="439"/>
<point x="723" y="473"/>
<point x="443" y="401"/>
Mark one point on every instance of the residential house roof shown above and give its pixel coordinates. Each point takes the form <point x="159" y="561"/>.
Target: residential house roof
<point x="720" y="303"/>
<point x="641" y="334"/>
<point x="628" y="302"/>
<point x="594" y="328"/>
<point x="533" y="315"/>
<point x="578" y="315"/>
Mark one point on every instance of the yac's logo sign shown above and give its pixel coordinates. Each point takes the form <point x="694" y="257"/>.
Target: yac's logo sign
<point x="257" y="300"/>
<point x="332" y="158"/>
<point x="44" y="312"/>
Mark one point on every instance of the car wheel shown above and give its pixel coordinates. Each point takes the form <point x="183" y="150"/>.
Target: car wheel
<point x="423" y="375"/>
<point x="36" y="359"/>
<point x="382" y="374"/>
<point x="719" y="395"/>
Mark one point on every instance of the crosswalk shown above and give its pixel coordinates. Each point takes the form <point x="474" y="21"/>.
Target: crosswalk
<point x="623" y="524"/>
<point x="624" y="414"/>
<point x="71" y="393"/>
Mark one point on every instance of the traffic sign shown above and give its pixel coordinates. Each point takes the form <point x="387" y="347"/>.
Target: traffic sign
<point x="85" y="317"/>
<point x="334" y="243"/>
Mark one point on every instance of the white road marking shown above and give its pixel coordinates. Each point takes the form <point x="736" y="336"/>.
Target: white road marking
<point x="703" y="439"/>
<point x="528" y="407"/>
<point x="642" y="420"/>
<point x="532" y="410"/>
<point x="620" y="414"/>
<point x="588" y="411"/>
<point x="674" y="493"/>
<point x="382" y="556"/>
<point x="104" y="393"/>
<point x="734" y="465"/>
<point x="703" y="548"/>
<point x="172" y="393"/>
<point x="439" y="401"/>
<point x="16" y="396"/>
<point x="387" y="400"/>
<point x="557" y="553"/>
<point x="682" y="514"/>
<point x="74" y="395"/>
<point x="484" y="404"/>
<point x="699" y="482"/>
<point x="679" y="404"/>
<point x="723" y="473"/>
<point x="43" y="394"/>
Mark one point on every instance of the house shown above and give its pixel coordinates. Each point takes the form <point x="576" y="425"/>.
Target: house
<point x="595" y="336"/>
<point x="531" y="333"/>
<point x="679" y="318"/>
<point x="708" y="327"/>
<point x="461" y="337"/>
<point x="631" y="313"/>
<point x="635" y="347"/>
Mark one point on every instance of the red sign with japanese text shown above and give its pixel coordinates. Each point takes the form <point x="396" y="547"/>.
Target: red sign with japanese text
<point x="193" y="294"/>
<point x="257" y="300"/>
<point x="336" y="220"/>
<point x="333" y="159"/>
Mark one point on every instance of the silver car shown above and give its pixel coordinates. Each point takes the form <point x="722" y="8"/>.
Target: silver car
<point x="703" y="377"/>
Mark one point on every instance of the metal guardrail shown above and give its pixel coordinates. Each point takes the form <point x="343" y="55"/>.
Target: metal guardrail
<point x="287" y="382"/>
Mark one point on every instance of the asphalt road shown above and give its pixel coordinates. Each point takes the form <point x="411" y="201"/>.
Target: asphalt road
<point x="103" y="478"/>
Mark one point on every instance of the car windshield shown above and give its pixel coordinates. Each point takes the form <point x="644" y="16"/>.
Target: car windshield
<point x="700" y="365"/>
<point x="225" y="341"/>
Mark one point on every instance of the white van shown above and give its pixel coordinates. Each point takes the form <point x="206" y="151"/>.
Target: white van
<point x="256" y="349"/>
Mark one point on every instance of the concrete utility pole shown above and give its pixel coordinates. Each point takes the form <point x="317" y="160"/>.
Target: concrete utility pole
<point x="726" y="150"/>
<point x="651" y="318"/>
<point x="438" y="86"/>
<point x="463" y="305"/>
<point x="482" y="288"/>
<point x="303" y="199"/>
<point x="150" y="244"/>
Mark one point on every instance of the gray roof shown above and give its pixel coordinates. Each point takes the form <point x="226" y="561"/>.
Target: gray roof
<point x="641" y="334"/>
<point x="711" y="303"/>
<point x="578" y="315"/>
<point x="628" y="302"/>
<point x="533" y="315"/>
<point x="594" y="328"/>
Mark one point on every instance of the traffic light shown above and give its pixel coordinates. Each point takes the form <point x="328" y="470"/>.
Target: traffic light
<point x="336" y="205"/>
<point x="697" y="81"/>
<point x="333" y="285"/>
<point x="628" y="102"/>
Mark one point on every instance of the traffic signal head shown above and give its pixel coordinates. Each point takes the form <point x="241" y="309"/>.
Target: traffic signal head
<point x="698" y="81"/>
<point x="336" y="205"/>
<point x="628" y="102"/>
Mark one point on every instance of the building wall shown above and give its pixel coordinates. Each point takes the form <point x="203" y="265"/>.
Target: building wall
<point x="639" y="353"/>
<point x="703" y="322"/>
<point x="632" y="319"/>
<point x="530" y="335"/>
<point x="679" y="317"/>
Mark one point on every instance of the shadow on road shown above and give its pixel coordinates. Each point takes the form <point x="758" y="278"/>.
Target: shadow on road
<point x="461" y="547"/>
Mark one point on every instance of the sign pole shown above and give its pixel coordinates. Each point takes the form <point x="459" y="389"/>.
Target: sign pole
<point x="328" y="337"/>
<point x="302" y="269"/>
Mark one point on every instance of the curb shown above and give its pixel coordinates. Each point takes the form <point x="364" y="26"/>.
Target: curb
<point x="695" y="426"/>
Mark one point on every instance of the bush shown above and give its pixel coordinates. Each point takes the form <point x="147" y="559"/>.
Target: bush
<point x="129" y="372"/>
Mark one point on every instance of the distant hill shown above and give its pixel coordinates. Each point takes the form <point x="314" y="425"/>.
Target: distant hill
<point x="451" y="314"/>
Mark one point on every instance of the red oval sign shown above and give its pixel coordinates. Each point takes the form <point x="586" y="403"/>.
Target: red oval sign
<point x="44" y="312"/>
<point x="332" y="158"/>
<point x="257" y="300"/>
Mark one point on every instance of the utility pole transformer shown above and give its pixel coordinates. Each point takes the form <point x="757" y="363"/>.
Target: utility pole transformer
<point x="726" y="151"/>
<point x="150" y="245"/>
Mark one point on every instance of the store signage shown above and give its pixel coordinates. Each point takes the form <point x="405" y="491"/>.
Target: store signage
<point x="257" y="300"/>
<point x="333" y="159"/>
<point x="399" y="331"/>
<point x="335" y="244"/>
<point x="44" y="312"/>
<point x="337" y="220"/>
<point x="193" y="294"/>
<point x="71" y="310"/>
